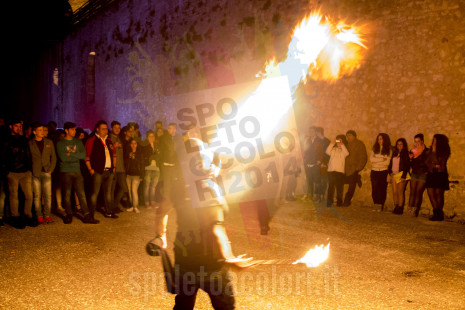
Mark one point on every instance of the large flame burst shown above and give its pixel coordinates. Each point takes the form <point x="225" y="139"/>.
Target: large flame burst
<point x="323" y="50"/>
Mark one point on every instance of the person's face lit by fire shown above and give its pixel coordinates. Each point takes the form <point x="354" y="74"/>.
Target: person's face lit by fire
<point x="350" y="137"/>
<point x="130" y="133"/>
<point x="16" y="129"/>
<point x="45" y="131"/>
<point x="159" y="132"/>
<point x="400" y="146"/>
<point x="102" y="130"/>
<point x="151" y="138"/>
<point x="418" y="142"/>
<point x="116" y="129"/>
<point x="39" y="133"/>
<point x="133" y="145"/>
<point x="71" y="132"/>
<point x="172" y="130"/>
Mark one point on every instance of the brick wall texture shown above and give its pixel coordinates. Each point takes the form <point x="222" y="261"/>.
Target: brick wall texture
<point x="411" y="79"/>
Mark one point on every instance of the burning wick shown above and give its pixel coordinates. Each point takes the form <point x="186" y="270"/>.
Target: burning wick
<point x="314" y="257"/>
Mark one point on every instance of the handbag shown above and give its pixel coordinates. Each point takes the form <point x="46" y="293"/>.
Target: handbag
<point x="397" y="177"/>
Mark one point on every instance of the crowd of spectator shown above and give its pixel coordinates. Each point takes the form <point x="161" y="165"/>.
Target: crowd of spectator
<point x="72" y="173"/>
<point x="331" y="164"/>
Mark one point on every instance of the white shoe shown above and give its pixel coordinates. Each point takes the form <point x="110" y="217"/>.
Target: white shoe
<point x="136" y="210"/>
<point x="130" y="209"/>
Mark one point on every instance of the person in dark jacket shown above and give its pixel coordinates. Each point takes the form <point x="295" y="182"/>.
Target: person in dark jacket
<point x="17" y="162"/>
<point x="355" y="163"/>
<point x="437" y="178"/>
<point x="101" y="162"/>
<point x="417" y="156"/>
<point x="313" y="157"/>
<point x="399" y="168"/>
<point x="135" y="170"/>
<point x="152" y="170"/>
<point x="44" y="160"/>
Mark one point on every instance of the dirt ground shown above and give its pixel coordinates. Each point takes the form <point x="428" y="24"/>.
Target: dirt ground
<point x="377" y="261"/>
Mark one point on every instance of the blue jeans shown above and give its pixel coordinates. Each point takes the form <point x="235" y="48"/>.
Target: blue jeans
<point x="133" y="182"/>
<point x="105" y="181"/>
<point x="75" y="180"/>
<point x="118" y="193"/>
<point x="150" y="185"/>
<point x="42" y="187"/>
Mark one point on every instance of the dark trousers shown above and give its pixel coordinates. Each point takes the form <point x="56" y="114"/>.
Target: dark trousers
<point x="336" y="182"/>
<point x="219" y="290"/>
<point x="198" y="268"/>
<point x="352" y="181"/>
<point x="313" y="179"/>
<point x="118" y="192"/>
<point x="105" y="181"/>
<point x="379" y="186"/>
<point x="73" y="180"/>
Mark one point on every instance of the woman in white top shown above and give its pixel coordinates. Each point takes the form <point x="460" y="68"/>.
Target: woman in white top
<point x="337" y="152"/>
<point x="380" y="157"/>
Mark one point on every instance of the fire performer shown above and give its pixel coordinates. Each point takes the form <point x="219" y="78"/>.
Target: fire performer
<point x="202" y="251"/>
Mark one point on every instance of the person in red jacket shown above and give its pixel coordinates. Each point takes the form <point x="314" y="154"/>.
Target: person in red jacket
<point x="101" y="162"/>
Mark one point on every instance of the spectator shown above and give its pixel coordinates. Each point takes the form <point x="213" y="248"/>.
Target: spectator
<point x="52" y="131"/>
<point x="380" y="156"/>
<point x="136" y="133"/>
<point x="44" y="160"/>
<point x="3" y="180"/>
<point x="46" y="134"/>
<point x="56" y="182"/>
<point x="101" y="161"/>
<point x="355" y="163"/>
<point x="135" y="169"/>
<point x="338" y="153"/>
<point x="417" y="156"/>
<point x="27" y="130"/>
<point x="399" y="167"/>
<point x="324" y="164"/>
<point x="313" y="157"/>
<point x="159" y="125"/>
<point x="120" y="187"/>
<point x="437" y="179"/>
<point x="70" y="152"/>
<point x="81" y="134"/>
<point x="128" y="135"/>
<point x="152" y="170"/>
<point x="17" y="163"/>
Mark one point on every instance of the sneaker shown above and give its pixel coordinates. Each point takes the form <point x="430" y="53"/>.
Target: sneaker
<point x="130" y="209"/>
<point x="49" y="220"/>
<point x="40" y="220"/>
<point x="136" y="210"/>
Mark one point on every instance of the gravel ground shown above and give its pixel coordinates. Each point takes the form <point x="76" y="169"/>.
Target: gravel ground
<point x="377" y="261"/>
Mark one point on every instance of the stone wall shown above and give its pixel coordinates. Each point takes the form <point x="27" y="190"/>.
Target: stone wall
<point x="411" y="80"/>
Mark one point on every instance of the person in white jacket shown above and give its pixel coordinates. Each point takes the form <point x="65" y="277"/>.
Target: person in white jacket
<point x="337" y="152"/>
<point x="380" y="156"/>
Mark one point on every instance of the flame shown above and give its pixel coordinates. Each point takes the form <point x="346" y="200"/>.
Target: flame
<point x="320" y="49"/>
<point x="314" y="257"/>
